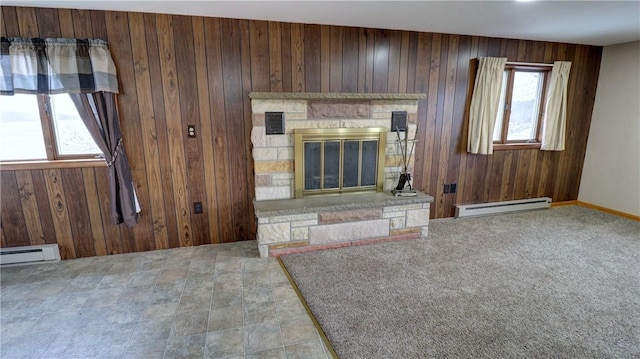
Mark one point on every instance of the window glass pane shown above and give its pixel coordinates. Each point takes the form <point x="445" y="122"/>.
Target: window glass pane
<point x="497" y="129"/>
<point x="72" y="136"/>
<point x="351" y="157"/>
<point x="312" y="165"/>
<point x="525" y="106"/>
<point x="369" y="163"/>
<point x="331" y="164"/>
<point x="20" y="129"/>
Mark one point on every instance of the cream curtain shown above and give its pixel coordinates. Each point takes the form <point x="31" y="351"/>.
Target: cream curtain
<point x="484" y="104"/>
<point x="555" y="118"/>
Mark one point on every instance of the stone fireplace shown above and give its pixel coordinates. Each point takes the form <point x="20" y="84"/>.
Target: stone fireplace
<point x="324" y="169"/>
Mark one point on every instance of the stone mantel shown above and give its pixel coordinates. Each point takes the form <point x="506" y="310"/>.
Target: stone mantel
<point x="335" y="96"/>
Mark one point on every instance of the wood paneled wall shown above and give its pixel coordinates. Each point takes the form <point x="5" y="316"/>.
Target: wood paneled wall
<point x="176" y="71"/>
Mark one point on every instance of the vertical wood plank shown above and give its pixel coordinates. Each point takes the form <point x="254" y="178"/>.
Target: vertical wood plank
<point x="437" y="187"/>
<point x="30" y="207"/>
<point x="13" y="222"/>
<point x="9" y="21"/>
<point x="149" y="136"/>
<point x="82" y="24"/>
<point x="260" y="62"/>
<point x="3" y="33"/>
<point x="98" y="24"/>
<point x="404" y="62"/>
<point x="350" y="60"/>
<point x="160" y="119"/>
<point x="445" y="138"/>
<point x="325" y="58"/>
<point x="467" y="160"/>
<point x="395" y="55"/>
<point x="112" y="236"/>
<point x="249" y="226"/>
<point x="424" y="82"/>
<point x="250" y="222"/>
<point x="93" y="207"/>
<point x="457" y="150"/>
<point x="505" y="183"/>
<point x="412" y="61"/>
<point x="48" y="23"/>
<point x="27" y="22"/>
<point x="275" y="57"/>
<point x="431" y="123"/>
<point x="172" y="107"/>
<point x="286" y="55"/>
<point x="44" y="209"/>
<point x="79" y="220"/>
<point x="216" y="89"/>
<point x="312" y="71"/>
<point x="381" y="61"/>
<point x="335" y="64"/>
<point x="566" y="52"/>
<point x="65" y="20"/>
<point x="190" y="115"/>
<point x="61" y="221"/>
<point x="232" y="80"/>
<point x="362" y="60"/>
<point x="297" y="58"/>
<point x="206" y="132"/>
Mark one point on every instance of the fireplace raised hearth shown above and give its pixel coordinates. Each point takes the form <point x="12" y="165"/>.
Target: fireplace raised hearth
<point x="324" y="178"/>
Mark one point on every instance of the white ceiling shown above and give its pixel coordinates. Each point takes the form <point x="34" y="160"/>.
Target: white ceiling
<point x="580" y="22"/>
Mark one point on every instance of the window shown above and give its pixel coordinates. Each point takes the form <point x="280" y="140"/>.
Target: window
<point x="521" y="103"/>
<point x="43" y="127"/>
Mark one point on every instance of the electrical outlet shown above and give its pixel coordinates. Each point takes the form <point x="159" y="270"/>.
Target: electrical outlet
<point x="191" y="131"/>
<point x="197" y="207"/>
<point x="453" y="187"/>
<point x="447" y="188"/>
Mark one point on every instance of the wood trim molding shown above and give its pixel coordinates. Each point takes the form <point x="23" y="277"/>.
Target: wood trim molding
<point x="564" y="203"/>
<point x="323" y="336"/>
<point x="596" y="207"/>
<point x="38" y="165"/>
<point x="608" y="210"/>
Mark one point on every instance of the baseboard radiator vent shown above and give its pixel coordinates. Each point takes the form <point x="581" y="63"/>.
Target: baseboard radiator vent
<point x="485" y="209"/>
<point x="15" y="256"/>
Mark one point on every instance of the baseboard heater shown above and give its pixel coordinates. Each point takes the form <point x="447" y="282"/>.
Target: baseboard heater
<point x="29" y="255"/>
<point x="484" y="209"/>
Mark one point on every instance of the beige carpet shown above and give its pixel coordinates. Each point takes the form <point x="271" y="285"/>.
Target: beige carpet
<point x="563" y="282"/>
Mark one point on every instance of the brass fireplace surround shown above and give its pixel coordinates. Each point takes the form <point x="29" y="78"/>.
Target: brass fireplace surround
<point x="302" y="136"/>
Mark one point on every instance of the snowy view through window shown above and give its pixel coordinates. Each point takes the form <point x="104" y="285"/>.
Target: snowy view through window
<point x="525" y="105"/>
<point x="72" y="135"/>
<point x="21" y="135"/>
<point x="20" y="129"/>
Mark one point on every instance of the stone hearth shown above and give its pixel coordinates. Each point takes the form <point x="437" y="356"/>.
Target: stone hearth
<point x="320" y="222"/>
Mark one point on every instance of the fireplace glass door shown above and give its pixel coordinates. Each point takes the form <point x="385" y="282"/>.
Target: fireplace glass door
<point x="339" y="162"/>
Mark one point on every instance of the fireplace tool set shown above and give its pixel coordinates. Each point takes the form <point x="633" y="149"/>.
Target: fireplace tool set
<point x="404" y="188"/>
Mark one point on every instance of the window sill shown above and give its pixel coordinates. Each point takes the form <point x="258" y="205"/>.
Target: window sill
<point x="39" y="165"/>
<point x="516" y="146"/>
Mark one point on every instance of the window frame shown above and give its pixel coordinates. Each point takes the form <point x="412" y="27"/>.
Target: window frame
<point x="512" y="68"/>
<point x="54" y="158"/>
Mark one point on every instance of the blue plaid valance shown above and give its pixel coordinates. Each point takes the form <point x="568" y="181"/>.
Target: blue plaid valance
<point x="56" y="65"/>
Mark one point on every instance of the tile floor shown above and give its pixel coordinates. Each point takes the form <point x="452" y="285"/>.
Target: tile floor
<point x="213" y="301"/>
